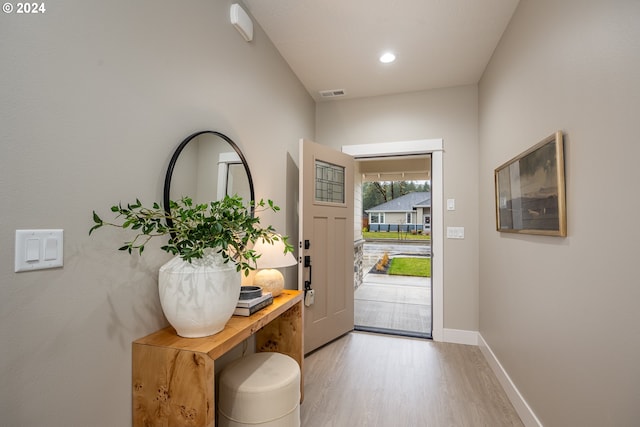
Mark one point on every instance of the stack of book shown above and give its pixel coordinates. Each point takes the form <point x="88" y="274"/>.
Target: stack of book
<point x="246" y="307"/>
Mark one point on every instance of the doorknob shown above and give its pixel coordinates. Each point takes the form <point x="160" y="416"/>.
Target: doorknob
<point x="309" y="294"/>
<point x="307" y="263"/>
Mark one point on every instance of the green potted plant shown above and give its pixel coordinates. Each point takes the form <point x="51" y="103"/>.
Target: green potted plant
<point x="212" y="244"/>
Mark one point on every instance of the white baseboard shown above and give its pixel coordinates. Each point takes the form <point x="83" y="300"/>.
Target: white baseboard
<point x="460" y="336"/>
<point x="522" y="408"/>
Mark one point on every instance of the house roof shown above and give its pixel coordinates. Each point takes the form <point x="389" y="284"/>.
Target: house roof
<point x="404" y="203"/>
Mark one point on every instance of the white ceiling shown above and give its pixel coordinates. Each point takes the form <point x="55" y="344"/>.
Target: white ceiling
<point x="335" y="44"/>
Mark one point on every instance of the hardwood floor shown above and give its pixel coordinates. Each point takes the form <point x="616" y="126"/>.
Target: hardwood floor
<point x="372" y="380"/>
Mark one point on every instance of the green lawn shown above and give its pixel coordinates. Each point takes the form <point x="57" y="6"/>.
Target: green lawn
<point x="420" y="267"/>
<point x="394" y="235"/>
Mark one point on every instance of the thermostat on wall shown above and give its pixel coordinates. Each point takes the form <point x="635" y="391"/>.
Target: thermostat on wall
<point x="241" y="21"/>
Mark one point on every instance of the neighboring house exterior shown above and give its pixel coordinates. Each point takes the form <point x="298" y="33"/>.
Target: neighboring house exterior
<point x="405" y="213"/>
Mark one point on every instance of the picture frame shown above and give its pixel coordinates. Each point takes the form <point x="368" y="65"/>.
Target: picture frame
<point x="530" y="190"/>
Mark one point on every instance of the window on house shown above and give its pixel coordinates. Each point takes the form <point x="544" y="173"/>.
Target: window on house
<point x="408" y="217"/>
<point x="376" y="218"/>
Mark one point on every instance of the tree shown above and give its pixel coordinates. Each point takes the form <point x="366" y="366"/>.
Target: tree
<point x="373" y="194"/>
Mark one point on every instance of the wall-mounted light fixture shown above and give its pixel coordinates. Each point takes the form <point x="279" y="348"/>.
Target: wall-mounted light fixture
<point x="241" y="20"/>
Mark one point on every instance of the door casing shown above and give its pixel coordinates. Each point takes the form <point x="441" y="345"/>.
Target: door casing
<point x="435" y="148"/>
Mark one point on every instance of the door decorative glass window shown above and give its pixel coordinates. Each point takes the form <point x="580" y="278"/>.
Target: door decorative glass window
<point x="329" y="182"/>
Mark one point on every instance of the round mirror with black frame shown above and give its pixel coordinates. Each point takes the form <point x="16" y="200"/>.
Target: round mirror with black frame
<point x="207" y="166"/>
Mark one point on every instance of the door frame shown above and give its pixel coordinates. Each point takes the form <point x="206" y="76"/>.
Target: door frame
<point x="434" y="147"/>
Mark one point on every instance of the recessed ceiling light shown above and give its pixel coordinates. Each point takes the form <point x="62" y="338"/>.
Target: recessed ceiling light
<point x="387" y="57"/>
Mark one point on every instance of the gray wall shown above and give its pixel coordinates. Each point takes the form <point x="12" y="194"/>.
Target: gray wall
<point x="95" y="97"/>
<point x="451" y="114"/>
<point x="561" y="314"/>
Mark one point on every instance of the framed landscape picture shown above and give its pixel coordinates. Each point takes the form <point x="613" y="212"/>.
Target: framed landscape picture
<point x="530" y="190"/>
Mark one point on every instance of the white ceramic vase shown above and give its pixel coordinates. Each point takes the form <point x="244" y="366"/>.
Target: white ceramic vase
<point x="198" y="298"/>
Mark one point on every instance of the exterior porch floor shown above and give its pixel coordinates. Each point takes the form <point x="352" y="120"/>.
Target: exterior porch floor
<point x="394" y="303"/>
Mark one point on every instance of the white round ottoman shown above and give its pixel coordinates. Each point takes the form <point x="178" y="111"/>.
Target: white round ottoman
<point x="262" y="389"/>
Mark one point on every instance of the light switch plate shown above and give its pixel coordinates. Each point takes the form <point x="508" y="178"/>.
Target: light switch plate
<point x="38" y="249"/>
<point x="455" y="232"/>
<point x="451" y="204"/>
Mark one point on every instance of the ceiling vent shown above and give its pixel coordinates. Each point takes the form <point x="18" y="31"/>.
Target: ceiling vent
<point x="332" y="93"/>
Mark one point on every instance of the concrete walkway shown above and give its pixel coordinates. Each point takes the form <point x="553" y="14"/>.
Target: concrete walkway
<point x="401" y="303"/>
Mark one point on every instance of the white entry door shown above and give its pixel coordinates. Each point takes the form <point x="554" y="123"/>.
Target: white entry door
<point x="326" y="242"/>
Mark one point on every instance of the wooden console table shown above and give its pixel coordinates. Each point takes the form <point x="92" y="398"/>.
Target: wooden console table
<point x="173" y="377"/>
